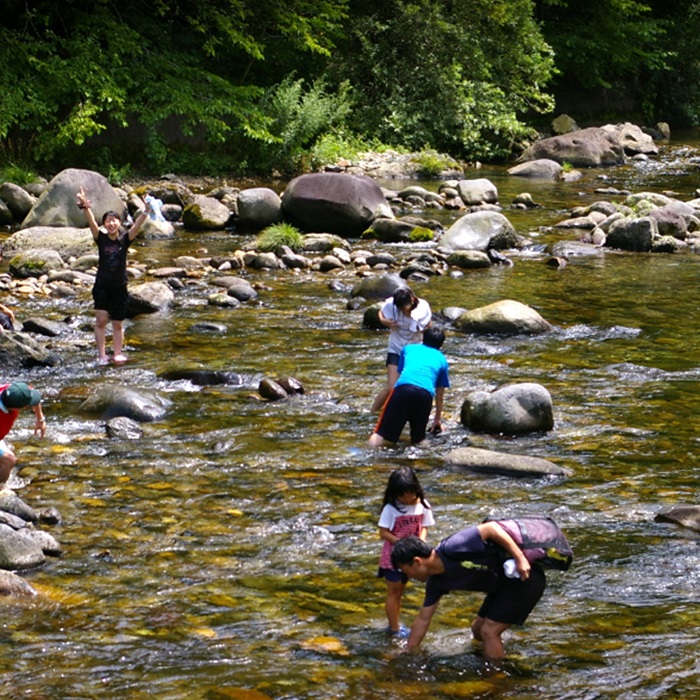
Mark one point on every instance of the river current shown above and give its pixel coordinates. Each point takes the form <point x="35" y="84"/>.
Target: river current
<point x="232" y="551"/>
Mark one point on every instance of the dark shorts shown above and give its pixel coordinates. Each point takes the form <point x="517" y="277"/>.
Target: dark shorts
<point x="113" y="300"/>
<point x="393" y="575"/>
<point x="6" y="322"/>
<point x="513" y="600"/>
<point x="407" y="404"/>
<point x="392" y="358"/>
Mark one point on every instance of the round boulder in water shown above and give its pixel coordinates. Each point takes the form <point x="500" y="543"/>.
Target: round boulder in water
<point x="510" y="410"/>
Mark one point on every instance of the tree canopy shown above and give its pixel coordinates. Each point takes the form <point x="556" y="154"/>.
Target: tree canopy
<point x="257" y="84"/>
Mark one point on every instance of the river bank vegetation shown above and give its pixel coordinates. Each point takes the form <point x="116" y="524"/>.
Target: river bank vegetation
<point x="259" y="86"/>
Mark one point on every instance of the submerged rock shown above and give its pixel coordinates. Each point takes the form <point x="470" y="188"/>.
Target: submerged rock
<point x="498" y="463"/>
<point x="687" y="516"/>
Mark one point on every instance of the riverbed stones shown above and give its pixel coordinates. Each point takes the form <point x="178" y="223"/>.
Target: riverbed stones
<point x="586" y="148"/>
<point x="336" y="203"/>
<point x="513" y="409"/>
<point x="56" y="206"/>
<point x="112" y="400"/>
<point x="480" y="230"/>
<point x="505" y="317"/>
<point x="483" y="461"/>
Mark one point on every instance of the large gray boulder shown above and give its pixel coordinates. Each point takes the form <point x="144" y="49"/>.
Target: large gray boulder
<point x="479" y="191"/>
<point x="110" y="401"/>
<point x="633" y="234"/>
<point x="632" y="139"/>
<point x="18" y="200"/>
<point x="258" y="207"/>
<point x="510" y="410"/>
<point x="149" y="298"/>
<point x="480" y="230"/>
<point x="482" y="461"/>
<point x="334" y="203"/>
<point x="505" y="317"/>
<point x="671" y="221"/>
<point x="205" y="214"/>
<point x="586" y="148"/>
<point x="35" y="263"/>
<point x="56" y="206"/>
<point x="19" y="350"/>
<point x="67" y="242"/>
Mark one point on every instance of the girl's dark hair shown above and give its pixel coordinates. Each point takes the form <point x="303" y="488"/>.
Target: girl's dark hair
<point x="111" y="213"/>
<point x="403" y="296"/>
<point x="401" y="481"/>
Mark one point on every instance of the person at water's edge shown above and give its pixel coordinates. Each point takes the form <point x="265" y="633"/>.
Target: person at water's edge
<point x="423" y="375"/>
<point x="109" y="292"/>
<point x="508" y="601"/>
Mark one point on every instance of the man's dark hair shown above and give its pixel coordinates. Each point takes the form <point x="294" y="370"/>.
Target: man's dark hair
<point x="434" y="337"/>
<point x="407" y="549"/>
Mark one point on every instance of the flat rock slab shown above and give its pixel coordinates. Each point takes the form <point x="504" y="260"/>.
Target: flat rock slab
<point x="488" y="462"/>
<point x="687" y="516"/>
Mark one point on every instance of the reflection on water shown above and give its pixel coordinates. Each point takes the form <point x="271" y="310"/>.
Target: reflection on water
<point x="234" y="546"/>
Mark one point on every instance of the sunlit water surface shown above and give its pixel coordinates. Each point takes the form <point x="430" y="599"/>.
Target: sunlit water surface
<point x="233" y="549"/>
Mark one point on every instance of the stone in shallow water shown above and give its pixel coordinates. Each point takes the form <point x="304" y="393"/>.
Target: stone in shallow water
<point x="687" y="516"/>
<point x="489" y="462"/>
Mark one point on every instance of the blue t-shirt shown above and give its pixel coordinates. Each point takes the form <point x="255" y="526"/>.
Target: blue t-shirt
<point x="424" y="367"/>
<point x="464" y="546"/>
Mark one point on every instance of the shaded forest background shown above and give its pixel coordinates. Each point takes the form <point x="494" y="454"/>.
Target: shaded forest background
<point x="256" y="86"/>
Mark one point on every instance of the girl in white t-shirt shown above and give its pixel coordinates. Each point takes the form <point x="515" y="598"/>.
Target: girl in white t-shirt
<point x="407" y="317"/>
<point x="405" y="512"/>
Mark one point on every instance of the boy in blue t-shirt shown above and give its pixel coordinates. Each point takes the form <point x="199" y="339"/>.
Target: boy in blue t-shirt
<point x="423" y="375"/>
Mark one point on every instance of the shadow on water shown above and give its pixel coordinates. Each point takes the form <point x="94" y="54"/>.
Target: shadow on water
<point x="234" y="547"/>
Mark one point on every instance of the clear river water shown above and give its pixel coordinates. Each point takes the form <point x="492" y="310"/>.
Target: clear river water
<point x="232" y="551"/>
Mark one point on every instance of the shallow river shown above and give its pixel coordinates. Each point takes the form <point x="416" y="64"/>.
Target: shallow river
<point x="231" y="553"/>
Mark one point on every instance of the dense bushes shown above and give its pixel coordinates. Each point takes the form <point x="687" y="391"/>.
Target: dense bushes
<point x="259" y="85"/>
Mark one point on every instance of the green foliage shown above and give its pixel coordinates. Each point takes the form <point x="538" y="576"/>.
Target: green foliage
<point x="459" y="77"/>
<point x="296" y="118"/>
<point x="431" y="163"/>
<point x="624" y="43"/>
<point x="72" y="73"/>
<point x="278" y="235"/>
<point x="17" y="174"/>
<point x="421" y="234"/>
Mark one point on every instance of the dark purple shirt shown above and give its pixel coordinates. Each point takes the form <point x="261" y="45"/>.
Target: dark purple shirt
<point x="464" y="546"/>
